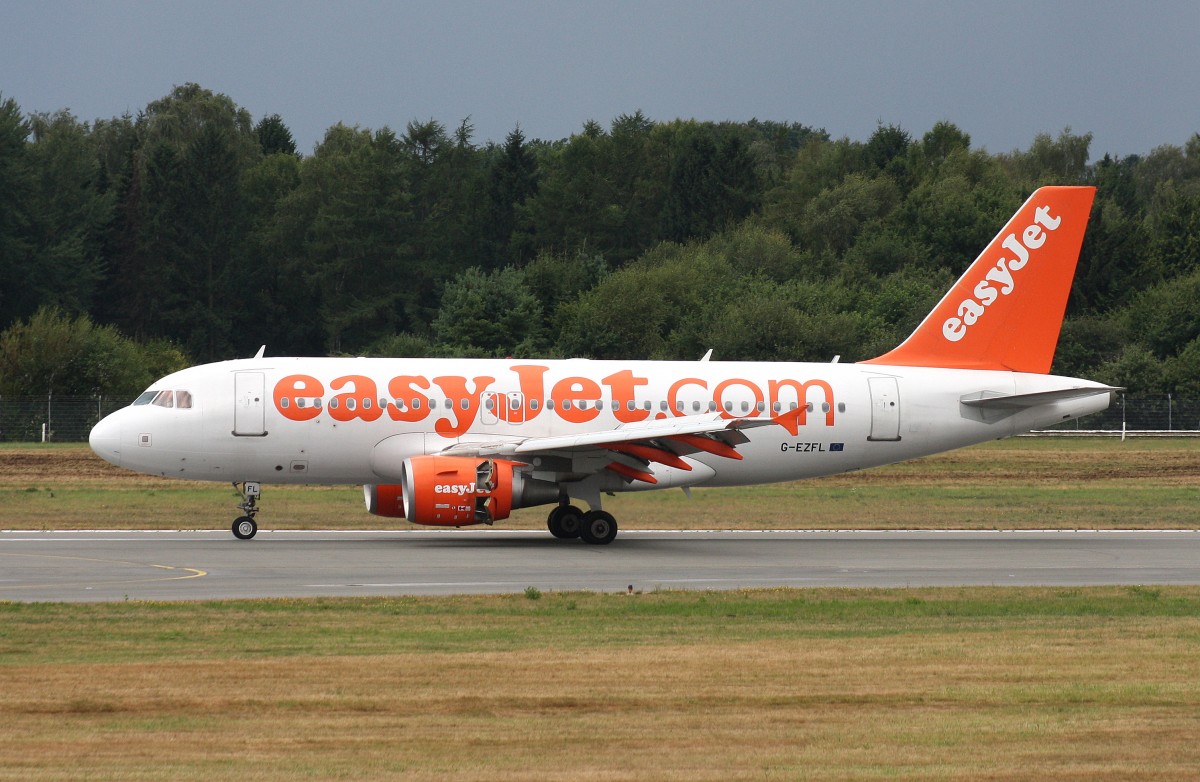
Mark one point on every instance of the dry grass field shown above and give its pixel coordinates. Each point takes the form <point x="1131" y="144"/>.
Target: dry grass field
<point x="964" y="684"/>
<point x="1024" y="483"/>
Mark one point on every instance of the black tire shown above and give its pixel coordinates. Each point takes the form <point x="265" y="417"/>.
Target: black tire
<point x="244" y="528"/>
<point x="565" y="522"/>
<point x="599" y="528"/>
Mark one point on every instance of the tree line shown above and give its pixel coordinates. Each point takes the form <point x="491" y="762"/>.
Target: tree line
<point x="192" y="233"/>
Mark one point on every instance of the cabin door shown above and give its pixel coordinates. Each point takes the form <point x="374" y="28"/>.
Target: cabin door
<point x="885" y="409"/>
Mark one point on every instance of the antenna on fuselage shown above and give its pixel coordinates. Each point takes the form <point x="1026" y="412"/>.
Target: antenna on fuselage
<point x="260" y="352"/>
<point x="707" y="355"/>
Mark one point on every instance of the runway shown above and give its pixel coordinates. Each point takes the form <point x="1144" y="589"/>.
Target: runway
<point x="205" y="565"/>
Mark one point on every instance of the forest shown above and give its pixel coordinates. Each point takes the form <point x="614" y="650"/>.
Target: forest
<point x="136" y="245"/>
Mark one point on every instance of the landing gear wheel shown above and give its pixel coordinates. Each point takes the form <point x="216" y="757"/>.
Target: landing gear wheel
<point x="599" y="527"/>
<point x="244" y="528"/>
<point x="565" y="521"/>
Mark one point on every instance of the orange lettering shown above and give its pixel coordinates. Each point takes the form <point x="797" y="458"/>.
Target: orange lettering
<point x="792" y="420"/>
<point x="673" y="393"/>
<point x="574" y="390"/>
<point x="719" y="393"/>
<point x="405" y="388"/>
<point x="456" y="390"/>
<point x="533" y="390"/>
<point x="362" y="402"/>
<point x="623" y="385"/>
<point x="294" y="386"/>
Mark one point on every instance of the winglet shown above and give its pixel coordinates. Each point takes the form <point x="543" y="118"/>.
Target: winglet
<point x="1006" y="311"/>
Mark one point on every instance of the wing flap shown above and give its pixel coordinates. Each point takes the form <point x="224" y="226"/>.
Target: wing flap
<point x="705" y="424"/>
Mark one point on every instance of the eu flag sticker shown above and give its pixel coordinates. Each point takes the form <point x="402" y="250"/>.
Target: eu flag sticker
<point x="837" y="447"/>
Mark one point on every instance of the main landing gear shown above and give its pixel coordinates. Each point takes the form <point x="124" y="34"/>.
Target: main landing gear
<point x="597" y="527"/>
<point x="244" y="527"/>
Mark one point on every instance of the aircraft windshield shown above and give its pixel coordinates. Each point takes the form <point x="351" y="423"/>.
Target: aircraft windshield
<point x="174" y="399"/>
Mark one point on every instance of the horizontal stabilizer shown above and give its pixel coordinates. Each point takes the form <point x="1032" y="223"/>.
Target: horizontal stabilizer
<point x="994" y="400"/>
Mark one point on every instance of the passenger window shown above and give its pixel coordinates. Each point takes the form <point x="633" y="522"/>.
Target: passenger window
<point x="549" y="404"/>
<point x="533" y="404"/>
<point x="462" y="404"/>
<point x="416" y="405"/>
<point x="285" y="402"/>
<point x="696" y="406"/>
<point x="164" y="399"/>
<point x="183" y="400"/>
<point x="489" y="403"/>
<point x="630" y="405"/>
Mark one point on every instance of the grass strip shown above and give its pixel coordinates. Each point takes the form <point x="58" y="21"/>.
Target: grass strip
<point x="970" y="683"/>
<point x="1023" y="483"/>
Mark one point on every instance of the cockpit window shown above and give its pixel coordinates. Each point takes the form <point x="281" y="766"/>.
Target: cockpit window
<point x="178" y="399"/>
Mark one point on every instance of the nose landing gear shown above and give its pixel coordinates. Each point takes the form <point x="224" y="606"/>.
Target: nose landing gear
<point x="244" y="527"/>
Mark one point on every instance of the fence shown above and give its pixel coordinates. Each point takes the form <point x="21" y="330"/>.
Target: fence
<point x="1157" y="413"/>
<point x="70" y="418"/>
<point x="53" y="418"/>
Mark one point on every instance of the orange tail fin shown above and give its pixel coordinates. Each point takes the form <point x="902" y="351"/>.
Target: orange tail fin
<point x="1006" y="311"/>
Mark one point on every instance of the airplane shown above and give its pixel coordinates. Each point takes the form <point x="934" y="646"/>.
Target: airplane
<point x="458" y="442"/>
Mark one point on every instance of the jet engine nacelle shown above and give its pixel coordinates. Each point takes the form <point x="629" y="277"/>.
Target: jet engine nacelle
<point x="455" y="491"/>
<point x="384" y="500"/>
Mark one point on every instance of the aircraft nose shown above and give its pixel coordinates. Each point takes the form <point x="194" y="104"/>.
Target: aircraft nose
<point x="105" y="439"/>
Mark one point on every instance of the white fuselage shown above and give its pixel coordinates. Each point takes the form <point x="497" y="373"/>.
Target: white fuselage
<point x="343" y="421"/>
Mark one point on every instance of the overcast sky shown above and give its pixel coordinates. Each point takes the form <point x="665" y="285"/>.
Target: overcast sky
<point x="1002" y="71"/>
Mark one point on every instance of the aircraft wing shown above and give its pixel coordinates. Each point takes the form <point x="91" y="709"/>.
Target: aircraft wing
<point x="629" y="449"/>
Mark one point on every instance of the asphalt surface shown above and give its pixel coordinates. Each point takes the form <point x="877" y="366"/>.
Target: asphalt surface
<point x="203" y="565"/>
